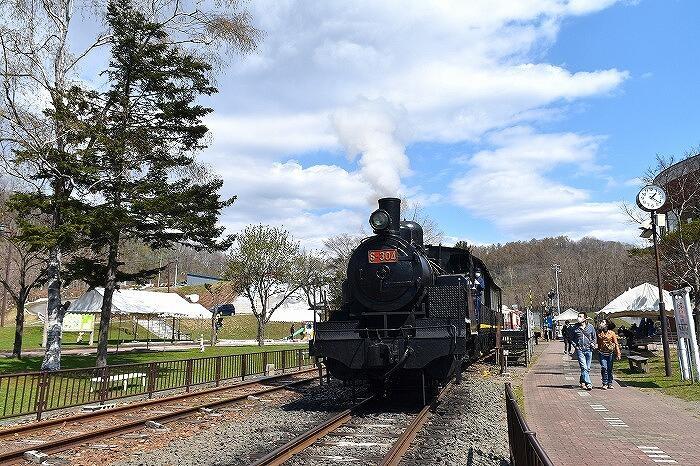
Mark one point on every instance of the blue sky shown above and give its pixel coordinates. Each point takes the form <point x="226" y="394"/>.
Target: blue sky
<point x="502" y="119"/>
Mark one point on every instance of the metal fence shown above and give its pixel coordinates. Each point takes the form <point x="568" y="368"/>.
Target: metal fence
<point x="525" y="449"/>
<point x="38" y="392"/>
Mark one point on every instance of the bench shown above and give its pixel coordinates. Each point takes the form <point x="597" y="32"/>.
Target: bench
<point x="639" y="362"/>
<point x="121" y="378"/>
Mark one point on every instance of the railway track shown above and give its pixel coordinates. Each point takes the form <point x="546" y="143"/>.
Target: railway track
<point x="363" y="436"/>
<point x="59" y="434"/>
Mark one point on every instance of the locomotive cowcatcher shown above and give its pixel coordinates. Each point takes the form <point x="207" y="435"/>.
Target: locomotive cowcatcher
<point x="411" y="313"/>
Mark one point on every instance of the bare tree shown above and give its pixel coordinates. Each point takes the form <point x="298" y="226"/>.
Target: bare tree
<point x="316" y="274"/>
<point x="415" y="212"/>
<point x="26" y="270"/>
<point x="340" y="248"/>
<point x="264" y="266"/>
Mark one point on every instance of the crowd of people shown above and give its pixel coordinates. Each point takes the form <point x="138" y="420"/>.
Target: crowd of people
<point x="582" y="338"/>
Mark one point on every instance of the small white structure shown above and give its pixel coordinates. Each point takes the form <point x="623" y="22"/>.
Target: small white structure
<point x="569" y="314"/>
<point x="640" y="301"/>
<point x="295" y="308"/>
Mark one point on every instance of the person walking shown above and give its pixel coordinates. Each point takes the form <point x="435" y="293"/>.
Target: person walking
<point x="608" y="347"/>
<point x="583" y="339"/>
<point x="566" y="328"/>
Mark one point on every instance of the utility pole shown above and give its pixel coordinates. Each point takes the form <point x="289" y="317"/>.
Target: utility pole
<point x="557" y="270"/>
<point x="662" y="305"/>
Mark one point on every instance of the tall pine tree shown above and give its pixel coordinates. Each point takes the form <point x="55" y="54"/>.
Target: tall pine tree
<point x="145" y="140"/>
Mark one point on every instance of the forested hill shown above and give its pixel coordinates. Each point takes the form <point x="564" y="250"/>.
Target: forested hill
<point x="593" y="272"/>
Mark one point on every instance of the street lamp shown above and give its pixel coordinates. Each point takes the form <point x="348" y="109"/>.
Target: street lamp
<point x="557" y="271"/>
<point x="651" y="198"/>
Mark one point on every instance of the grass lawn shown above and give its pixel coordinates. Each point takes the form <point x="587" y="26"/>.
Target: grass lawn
<point x="70" y="361"/>
<point x="240" y="327"/>
<point x="655" y="379"/>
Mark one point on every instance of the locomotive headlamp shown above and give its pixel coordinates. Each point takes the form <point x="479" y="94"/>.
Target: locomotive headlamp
<point x="379" y="220"/>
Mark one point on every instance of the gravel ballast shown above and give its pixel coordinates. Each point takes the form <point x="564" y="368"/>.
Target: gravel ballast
<point x="260" y="426"/>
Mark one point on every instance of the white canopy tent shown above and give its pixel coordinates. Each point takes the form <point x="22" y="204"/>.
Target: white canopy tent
<point x="294" y="309"/>
<point x="140" y="302"/>
<point x="569" y="314"/>
<point x="640" y="301"/>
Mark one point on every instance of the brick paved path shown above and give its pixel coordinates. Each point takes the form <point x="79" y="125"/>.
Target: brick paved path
<point x="623" y="426"/>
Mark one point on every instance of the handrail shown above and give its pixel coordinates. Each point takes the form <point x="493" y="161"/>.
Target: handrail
<point x="525" y="448"/>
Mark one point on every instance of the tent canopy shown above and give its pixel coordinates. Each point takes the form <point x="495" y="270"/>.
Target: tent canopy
<point x="140" y="302"/>
<point x="569" y="314"/>
<point x="640" y="301"/>
<point x="294" y="309"/>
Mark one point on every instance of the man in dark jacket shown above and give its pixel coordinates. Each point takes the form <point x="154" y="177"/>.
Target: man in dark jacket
<point x="583" y="339"/>
<point x="565" y="335"/>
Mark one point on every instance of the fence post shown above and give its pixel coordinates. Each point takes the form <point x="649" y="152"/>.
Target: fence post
<point x="299" y="357"/>
<point x="41" y="394"/>
<point x="152" y="371"/>
<point x="265" y="363"/>
<point x="188" y="375"/>
<point x="284" y="360"/>
<point x="218" y="370"/>
<point x="244" y="364"/>
<point x="104" y="383"/>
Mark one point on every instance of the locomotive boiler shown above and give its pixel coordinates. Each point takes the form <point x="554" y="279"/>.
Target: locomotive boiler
<point x="411" y="313"/>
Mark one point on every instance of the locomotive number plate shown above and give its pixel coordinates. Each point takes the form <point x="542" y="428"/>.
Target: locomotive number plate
<point x="382" y="255"/>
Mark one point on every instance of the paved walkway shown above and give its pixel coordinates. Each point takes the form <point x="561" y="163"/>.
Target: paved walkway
<point x="604" y="427"/>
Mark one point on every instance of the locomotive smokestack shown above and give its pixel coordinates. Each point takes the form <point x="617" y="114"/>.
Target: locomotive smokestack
<point x="392" y="206"/>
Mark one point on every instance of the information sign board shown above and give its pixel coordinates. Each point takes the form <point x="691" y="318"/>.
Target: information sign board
<point x="73" y="322"/>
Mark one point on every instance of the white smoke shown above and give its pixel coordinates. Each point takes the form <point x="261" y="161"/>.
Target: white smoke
<point x="373" y="130"/>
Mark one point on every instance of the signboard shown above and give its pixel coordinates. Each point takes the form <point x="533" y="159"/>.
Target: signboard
<point x="688" y="352"/>
<point x="73" y="322"/>
<point x="682" y="313"/>
<point x="382" y="255"/>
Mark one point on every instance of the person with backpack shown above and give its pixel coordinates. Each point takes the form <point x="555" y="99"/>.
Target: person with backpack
<point x="607" y="348"/>
<point x="565" y="335"/>
<point x="583" y="340"/>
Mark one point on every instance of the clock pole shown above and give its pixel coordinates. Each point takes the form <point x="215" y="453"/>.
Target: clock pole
<point x="662" y="306"/>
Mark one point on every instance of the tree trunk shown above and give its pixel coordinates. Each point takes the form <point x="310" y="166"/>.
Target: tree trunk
<point x="106" y="311"/>
<point x="19" y="330"/>
<point x="261" y="332"/>
<point x="54" y="314"/>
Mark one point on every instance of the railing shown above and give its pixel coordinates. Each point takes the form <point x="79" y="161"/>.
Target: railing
<point x="38" y="392"/>
<point x="525" y="449"/>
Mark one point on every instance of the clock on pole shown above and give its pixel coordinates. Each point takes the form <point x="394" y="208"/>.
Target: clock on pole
<point x="651" y="198"/>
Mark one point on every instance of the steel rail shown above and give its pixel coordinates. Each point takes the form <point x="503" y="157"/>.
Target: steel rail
<point x="130" y="426"/>
<point x="24" y="428"/>
<point x="403" y="443"/>
<point x="301" y="442"/>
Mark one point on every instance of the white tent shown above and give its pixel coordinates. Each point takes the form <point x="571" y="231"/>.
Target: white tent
<point x="294" y="309"/>
<point x="140" y="302"/>
<point x="640" y="301"/>
<point x="569" y="314"/>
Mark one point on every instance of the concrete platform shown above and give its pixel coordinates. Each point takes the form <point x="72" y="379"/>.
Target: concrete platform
<point x="599" y="427"/>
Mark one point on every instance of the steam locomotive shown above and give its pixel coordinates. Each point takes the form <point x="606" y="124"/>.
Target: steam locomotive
<point x="411" y="313"/>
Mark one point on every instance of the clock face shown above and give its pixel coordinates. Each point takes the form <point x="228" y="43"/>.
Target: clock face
<point x="651" y="197"/>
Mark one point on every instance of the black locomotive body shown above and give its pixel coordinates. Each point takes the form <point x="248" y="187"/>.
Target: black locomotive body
<point x="410" y="311"/>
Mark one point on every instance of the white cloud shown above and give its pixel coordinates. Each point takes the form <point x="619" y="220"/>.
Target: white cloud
<point x="512" y="186"/>
<point x="371" y="78"/>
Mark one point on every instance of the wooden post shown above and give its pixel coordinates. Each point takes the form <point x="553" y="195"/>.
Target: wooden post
<point x="218" y="370"/>
<point x="284" y="360"/>
<point x="152" y="371"/>
<point x="299" y="358"/>
<point x="41" y="394"/>
<point x="188" y="375"/>
<point x="244" y="364"/>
